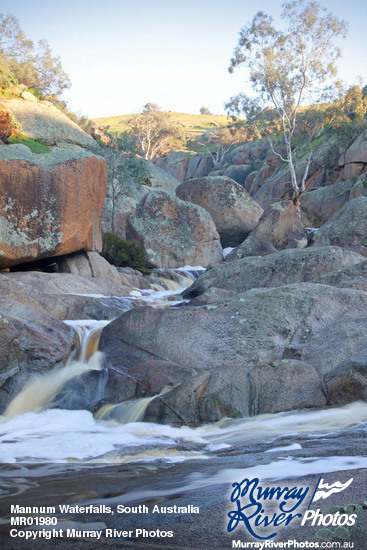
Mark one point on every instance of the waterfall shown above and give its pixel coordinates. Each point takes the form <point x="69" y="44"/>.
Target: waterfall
<point x="123" y="413"/>
<point x="88" y="332"/>
<point x="40" y="389"/>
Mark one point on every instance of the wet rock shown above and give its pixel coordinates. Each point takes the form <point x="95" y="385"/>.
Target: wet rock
<point x="346" y="228"/>
<point x="30" y="343"/>
<point x="347" y="383"/>
<point x="277" y="269"/>
<point x="309" y="330"/>
<point x="234" y="212"/>
<point x="173" y="232"/>
<point x="66" y="296"/>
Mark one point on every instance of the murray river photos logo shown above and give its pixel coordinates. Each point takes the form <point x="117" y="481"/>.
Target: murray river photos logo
<point x="263" y="510"/>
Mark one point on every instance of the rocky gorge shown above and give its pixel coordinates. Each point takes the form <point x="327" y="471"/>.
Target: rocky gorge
<point x="276" y="325"/>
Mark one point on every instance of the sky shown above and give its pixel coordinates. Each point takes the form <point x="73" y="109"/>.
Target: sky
<point x="121" y="54"/>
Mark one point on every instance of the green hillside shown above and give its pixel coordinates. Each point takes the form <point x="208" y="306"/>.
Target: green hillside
<point x="193" y="125"/>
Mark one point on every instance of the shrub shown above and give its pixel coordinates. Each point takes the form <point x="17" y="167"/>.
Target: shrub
<point x="122" y="253"/>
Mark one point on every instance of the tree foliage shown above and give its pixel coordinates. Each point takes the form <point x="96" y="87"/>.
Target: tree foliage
<point x="204" y="111"/>
<point x="124" y="167"/>
<point x="21" y="62"/>
<point x="287" y="67"/>
<point x="154" y="133"/>
<point x="219" y="141"/>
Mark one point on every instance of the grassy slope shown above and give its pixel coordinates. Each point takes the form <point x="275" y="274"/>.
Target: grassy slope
<point x="192" y="124"/>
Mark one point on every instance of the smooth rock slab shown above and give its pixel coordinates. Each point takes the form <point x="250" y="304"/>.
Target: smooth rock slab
<point x="320" y="326"/>
<point x="277" y="269"/>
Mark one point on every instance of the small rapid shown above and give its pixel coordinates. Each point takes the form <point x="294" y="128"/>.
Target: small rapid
<point x="32" y="433"/>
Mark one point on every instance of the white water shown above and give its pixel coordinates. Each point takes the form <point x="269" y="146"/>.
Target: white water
<point x="41" y="389"/>
<point x="63" y="436"/>
<point x="29" y="434"/>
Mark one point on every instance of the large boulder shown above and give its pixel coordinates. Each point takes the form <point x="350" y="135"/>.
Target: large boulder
<point x="280" y="225"/>
<point x="277" y="269"/>
<point x="174" y="233"/>
<point x="30" y="343"/>
<point x="132" y="193"/>
<point x="250" y="349"/>
<point x="346" y="228"/>
<point x="269" y="167"/>
<point x="50" y="203"/>
<point x="125" y="206"/>
<point x="320" y="204"/>
<point x="40" y="120"/>
<point x="234" y="212"/>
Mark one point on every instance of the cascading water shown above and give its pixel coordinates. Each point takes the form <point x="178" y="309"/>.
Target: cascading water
<point x="273" y="445"/>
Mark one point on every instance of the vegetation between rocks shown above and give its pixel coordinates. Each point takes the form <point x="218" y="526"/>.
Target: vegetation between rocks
<point x="121" y="253"/>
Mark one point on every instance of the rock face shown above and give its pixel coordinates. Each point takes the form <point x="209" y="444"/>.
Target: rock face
<point x="184" y="165"/>
<point x="320" y="204"/>
<point x="50" y="203"/>
<point x="250" y="348"/>
<point x="281" y="268"/>
<point x="29" y="343"/>
<point x="234" y="212"/>
<point x="347" y="227"/>
<point x="173" y="232"/>
<point x="43" y="121"/>
<point x="354" y="161"/>
<point x="90" y="264"/>
<point x="354" y="276"/>
<point x="359" y="189"/>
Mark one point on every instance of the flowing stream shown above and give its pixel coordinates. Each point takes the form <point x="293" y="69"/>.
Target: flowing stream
<point x="33" y="436"/>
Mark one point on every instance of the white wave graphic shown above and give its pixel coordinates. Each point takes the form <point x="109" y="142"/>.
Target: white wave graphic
<point x="324" y="490"/>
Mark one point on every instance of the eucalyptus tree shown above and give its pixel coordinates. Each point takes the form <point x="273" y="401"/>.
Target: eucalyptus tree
<point x="289" y="66"/>
<point x="154" y="132"/>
